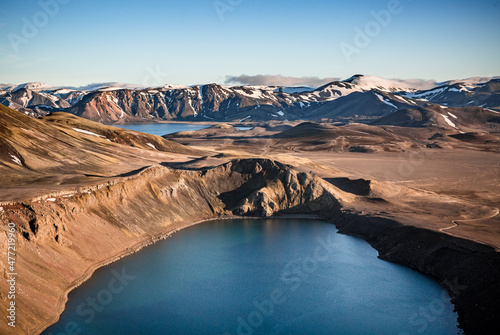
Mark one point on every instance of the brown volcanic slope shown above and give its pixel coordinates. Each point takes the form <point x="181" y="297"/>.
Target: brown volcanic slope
<point x="62" y="151"/>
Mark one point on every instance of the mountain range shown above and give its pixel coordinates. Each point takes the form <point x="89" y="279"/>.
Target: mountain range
<point x="360" y="98"/>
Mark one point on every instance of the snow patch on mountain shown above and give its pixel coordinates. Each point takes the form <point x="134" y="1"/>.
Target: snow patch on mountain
<point x="385" y="101"/>
<point x="62" y="91"/>
<point x="448" y="121"/>
<point x="389" y="85"/>
<point x="86" y="132"/>
<point x="16" y="159"/>
<point x="427" y="95"/>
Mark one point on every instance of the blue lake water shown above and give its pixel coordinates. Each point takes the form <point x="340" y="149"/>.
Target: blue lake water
<point x="287" y="276"/>
<point x="161" y="129"/>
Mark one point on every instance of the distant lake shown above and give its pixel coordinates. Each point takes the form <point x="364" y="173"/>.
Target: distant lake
<point x="161" y="129"/>
<point x="287" y="276"/>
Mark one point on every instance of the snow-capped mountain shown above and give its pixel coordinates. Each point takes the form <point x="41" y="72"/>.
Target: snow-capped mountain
<point x="382" y="84"/>
<point x="357" y="97"/>
<point x="460" y="94"/>
<point x="30" y="86"/>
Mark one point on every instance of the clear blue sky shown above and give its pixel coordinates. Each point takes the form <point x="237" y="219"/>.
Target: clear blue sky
<point x="190" y="42"/>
